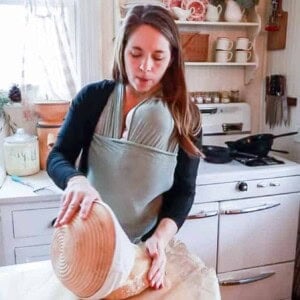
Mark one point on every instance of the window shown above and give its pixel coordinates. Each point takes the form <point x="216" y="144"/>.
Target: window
<point x="47" y="46"/>
<point x="12" y="24"/>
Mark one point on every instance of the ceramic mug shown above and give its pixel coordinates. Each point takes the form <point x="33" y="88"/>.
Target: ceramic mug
<point x="243" y="43"/>
<point x="224" y="43"/>
<point x="242" y="56"/>
<point x="223" y="55"/>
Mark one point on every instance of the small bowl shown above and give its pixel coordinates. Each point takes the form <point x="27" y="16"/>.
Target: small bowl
<point x="52" y="112"/>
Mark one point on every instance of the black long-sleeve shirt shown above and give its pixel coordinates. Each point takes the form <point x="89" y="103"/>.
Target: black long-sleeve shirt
<point x="74" y="139"/>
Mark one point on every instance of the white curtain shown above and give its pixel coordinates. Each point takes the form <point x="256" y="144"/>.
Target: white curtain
<point x="49" y="59"/>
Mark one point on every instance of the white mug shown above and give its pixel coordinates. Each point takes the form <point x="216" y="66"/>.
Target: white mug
<point x="224" y="43"/>
<point x="223" y="55"/>
<point x="242" y="56"/>
<point x="243" y="43"/>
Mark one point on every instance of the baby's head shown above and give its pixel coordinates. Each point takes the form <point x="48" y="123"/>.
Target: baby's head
<point x="94" y="258"/>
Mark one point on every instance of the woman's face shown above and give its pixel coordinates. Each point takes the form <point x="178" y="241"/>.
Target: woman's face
<point x="147" y="56"/>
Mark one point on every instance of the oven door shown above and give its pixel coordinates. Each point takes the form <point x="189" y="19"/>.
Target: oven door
<point x="264" y="227"/>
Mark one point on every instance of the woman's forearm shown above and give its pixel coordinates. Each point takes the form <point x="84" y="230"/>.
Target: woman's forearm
<point x="165" y="230"/>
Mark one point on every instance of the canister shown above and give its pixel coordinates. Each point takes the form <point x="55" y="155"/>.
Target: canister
<point x="21" y="154"/>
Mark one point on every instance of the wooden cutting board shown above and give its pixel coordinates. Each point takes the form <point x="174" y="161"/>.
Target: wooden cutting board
<point x="277" y="39"/>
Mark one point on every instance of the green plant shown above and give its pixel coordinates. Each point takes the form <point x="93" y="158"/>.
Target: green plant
<point x="3" y="100"/>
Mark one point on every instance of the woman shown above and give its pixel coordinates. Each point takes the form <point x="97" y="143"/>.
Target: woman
<point x="136" y="138"/>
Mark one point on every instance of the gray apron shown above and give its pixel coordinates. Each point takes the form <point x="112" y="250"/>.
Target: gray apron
<point x="131" y="172"/>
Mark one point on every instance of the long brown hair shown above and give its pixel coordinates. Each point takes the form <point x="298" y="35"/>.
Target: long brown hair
<point x="185" y="113"/>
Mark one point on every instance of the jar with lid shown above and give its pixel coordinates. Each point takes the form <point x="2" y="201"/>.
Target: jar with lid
<point x="235" y="95"/>
<point x="21" y="154"/>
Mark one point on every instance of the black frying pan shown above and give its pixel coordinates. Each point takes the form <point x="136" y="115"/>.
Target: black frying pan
<point x="221" y="155"/>
<point x="258" y="144"/>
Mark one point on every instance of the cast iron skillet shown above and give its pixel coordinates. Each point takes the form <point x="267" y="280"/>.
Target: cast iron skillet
<point x="258" y="144"/>
<point x="221" y="155"/>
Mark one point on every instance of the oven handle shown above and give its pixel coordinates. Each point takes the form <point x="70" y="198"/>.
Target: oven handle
<point x="246" y="280"/>
<point x="209" y="110"/>
<point x="249" y="209"/>
<point x="203" y="214"/>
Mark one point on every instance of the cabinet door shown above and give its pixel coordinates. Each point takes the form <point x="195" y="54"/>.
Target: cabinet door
<point x="33" y="222"/>
<point x="32" y="253"/>
<point x="265" y="283"/>
<point x="199" y="232"/>
<point x="257" y="231"/>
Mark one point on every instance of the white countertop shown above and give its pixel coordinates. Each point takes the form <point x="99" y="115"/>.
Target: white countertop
<point x="208" y="173"/>
<point x="12" y="191"/>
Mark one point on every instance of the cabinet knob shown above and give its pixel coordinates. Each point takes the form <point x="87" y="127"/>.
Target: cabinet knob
<point x="242" y="186"/>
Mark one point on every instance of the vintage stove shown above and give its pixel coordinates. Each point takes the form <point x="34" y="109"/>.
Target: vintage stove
<point x="224" y="122"/>
<point x="244" y="219"/>
<point x="230" y="122"/>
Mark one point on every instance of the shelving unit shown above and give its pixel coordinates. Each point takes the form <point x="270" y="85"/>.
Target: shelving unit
<point x="250" y="28"/>
<point x="231" y="64"/>
<point x="232" y="30"/>
<point x="222" y="24"/>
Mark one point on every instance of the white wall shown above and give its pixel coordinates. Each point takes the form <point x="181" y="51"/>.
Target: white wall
<point x="287" y="62"/>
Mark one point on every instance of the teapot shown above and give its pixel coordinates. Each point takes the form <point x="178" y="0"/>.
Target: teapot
<point x="182" y="14"/>
<point x="233" y="12"/>
<point x="213" y="12"/>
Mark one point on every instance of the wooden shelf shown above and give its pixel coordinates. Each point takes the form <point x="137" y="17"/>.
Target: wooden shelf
<point x="228" y="64"/>
<point x="206" y="23"/>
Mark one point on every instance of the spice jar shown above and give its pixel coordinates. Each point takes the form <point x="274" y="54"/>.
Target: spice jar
<point x="21" y="154"/>
<point x="235" y="95"/>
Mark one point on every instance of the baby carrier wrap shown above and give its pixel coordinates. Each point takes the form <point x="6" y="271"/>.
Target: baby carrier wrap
<point x="132" y="170"/>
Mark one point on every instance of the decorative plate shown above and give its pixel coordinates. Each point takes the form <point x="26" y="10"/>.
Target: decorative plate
<point x="185" y="3"/>
<point x="172" y="3"/>
<point x="197" y="7"/>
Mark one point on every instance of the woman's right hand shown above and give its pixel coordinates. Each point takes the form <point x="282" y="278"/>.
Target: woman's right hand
<point x="78" y="195"/>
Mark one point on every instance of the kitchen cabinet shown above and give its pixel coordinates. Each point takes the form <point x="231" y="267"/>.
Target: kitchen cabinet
<point x="26" y="220"/>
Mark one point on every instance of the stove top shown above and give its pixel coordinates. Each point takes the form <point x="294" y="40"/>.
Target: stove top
<point x="258" y="161"/>
<point x="235" y="171"/>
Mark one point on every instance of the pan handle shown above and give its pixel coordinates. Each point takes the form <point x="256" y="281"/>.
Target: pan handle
<point x="279" y="151"/>
<point x="285" y="134"/>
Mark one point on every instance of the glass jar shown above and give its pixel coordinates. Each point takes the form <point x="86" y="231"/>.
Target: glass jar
<point x="235" y="95"/>
<point x="21" y="154"/>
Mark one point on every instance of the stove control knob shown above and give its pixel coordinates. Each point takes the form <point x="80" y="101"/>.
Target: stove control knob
<point x="242" y="186"/>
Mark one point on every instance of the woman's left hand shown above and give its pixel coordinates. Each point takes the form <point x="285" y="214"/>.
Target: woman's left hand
<point x="156" y="250"/>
